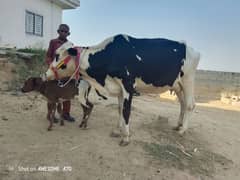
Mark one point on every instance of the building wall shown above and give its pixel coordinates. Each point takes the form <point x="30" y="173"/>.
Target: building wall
<point x="12" y="22"/>
<point x="218" y="78"/>
<point x="216" y="84"/>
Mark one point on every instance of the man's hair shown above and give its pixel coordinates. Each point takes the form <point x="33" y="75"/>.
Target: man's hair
<point x="63" y="25"/>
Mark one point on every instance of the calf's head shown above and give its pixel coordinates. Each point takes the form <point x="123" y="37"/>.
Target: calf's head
<point x="31" y="84"/>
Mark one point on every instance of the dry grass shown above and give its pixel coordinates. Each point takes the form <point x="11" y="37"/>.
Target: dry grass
<point x="26" y="67"/>
<point x="188" y="153"/>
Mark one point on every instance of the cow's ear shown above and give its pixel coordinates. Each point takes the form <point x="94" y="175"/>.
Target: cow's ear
<point x="72" y="51"/>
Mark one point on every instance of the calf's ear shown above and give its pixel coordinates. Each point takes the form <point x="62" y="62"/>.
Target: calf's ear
<point x="72" y="51"/>
<point x="37" y="82"/>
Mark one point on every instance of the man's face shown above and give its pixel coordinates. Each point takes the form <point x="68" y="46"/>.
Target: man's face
<point x="63" y="32"/>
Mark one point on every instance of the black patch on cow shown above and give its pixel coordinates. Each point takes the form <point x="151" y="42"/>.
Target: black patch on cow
<point x="72" y="51"/>
<point x="181" y="73"/>
<point x="57" y="57"/>
<point x="127" y="108"/>
<point x="155" y="61"/>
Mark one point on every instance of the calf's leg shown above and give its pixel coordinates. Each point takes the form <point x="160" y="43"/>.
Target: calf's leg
<point x="60" y="113"/>
<point x="51" y="112"/>
<point x="86" y="114"/>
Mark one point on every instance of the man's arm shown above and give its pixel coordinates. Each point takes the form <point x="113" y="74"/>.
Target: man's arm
<point x="50" y="53"/>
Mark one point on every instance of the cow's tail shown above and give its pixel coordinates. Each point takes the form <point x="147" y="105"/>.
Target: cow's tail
<point x="197" y="58"/>
<point x="191" y="61"/>
<point x="188" y="79"/>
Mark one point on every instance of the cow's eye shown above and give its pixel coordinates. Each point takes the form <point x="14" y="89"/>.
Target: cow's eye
<point x="64" y="66"/>
<point x="57" y="57"/>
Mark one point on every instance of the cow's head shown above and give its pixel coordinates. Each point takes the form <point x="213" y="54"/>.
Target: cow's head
<point x="65" y="62"/>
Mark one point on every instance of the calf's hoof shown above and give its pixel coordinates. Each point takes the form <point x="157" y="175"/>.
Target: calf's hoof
<point x="49" y="129"/>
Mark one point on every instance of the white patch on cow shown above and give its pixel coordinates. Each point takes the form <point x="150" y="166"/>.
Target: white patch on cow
<point x="91" y="51"/>
<point x="125" y="93"/>
<point x="191" y="61"/>
<point x="57" y="115"/>
<point x="138" y="57"/>
<point x="143" y="88"/>
<point x="101" y="46"/>
<point x="183" y="42"/>
<point x="126" y="37"/>
<point x="112" y="85"/>
<point x="126" y="130"/>
<point x="82" y="89"/>
<point x="84" y="63"/>
<point x="127" y="71"/>
<point x="64" y="46"/>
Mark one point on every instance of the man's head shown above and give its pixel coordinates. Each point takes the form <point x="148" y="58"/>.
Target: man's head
<point x="63" y="31"/>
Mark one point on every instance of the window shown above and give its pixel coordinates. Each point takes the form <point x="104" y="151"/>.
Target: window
<point x="33" y="24"/>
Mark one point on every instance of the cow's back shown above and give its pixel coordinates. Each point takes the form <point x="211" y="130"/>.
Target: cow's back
<point x="155" y="61"/>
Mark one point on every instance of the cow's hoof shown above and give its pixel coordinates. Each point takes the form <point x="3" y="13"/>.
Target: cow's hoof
<point x="49" y="129"/>
<point x="123" y="143"/>
<point x="181" y="131"/>
<point x="115" y="134"/>
<point x="177" y="128"/>
<point x="83" y="125"/>
<point x="62" y="124"/>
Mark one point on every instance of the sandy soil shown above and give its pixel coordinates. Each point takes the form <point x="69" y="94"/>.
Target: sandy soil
<point x="209" y="150"/>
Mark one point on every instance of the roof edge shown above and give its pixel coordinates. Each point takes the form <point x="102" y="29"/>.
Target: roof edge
<point x="67" y="4"/>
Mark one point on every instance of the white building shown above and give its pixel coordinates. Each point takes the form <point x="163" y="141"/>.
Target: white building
<point x="31" y="23"/>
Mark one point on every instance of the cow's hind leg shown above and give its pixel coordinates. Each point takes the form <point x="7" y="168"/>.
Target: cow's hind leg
<point x="182" y="109"/>
<point x="189" y="103"/>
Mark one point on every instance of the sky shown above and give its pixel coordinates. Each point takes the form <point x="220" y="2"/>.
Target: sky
<point x="211" y="27"/>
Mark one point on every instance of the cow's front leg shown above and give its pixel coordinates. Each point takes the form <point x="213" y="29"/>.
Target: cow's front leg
<point x="126" y="114"/>
<point x="116" y="132"/>
<point x="86" y="114"/>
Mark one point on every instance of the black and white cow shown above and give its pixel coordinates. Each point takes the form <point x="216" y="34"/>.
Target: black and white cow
<point x="122" y="63"/>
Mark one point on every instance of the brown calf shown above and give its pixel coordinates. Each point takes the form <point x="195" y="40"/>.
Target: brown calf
<point x="55" y="95"/>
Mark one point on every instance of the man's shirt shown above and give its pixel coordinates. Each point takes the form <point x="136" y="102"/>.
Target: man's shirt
<point x="53" y="46"/>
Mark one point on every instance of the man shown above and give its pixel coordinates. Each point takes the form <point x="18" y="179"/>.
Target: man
<point x="63" y="32"/>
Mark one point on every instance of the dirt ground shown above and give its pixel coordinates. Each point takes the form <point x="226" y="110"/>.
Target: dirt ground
<point x="209" y="150"/>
